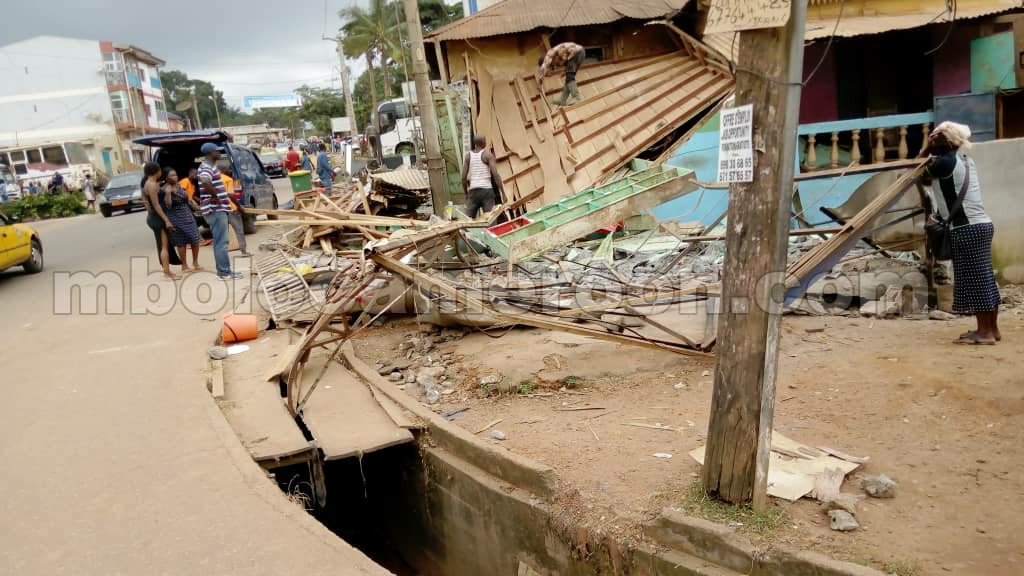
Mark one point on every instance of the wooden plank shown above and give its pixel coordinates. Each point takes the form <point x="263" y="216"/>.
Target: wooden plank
<point x="531" y="112"/>
<point x="254" y="407"/>
<point x="344" y="417"/>
<point x="510" y="120"/>
<point x="217" y="379"/>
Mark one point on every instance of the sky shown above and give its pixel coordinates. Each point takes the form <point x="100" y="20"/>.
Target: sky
<point x="253" y="47"/>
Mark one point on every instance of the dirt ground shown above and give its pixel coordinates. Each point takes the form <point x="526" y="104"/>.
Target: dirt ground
<point x="944" y="421"/>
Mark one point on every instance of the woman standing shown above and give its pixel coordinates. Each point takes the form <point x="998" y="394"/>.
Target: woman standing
<point x="974" y="284"/>
<point x="157" y="202"/>
<point x="185" y="233"/>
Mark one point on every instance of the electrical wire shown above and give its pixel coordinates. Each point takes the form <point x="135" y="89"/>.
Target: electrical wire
<point x="950" y="10"/>
<point x="828" y="46"/>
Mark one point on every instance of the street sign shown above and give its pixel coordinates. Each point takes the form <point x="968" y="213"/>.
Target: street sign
<point x="736" y="15"/>
<point x="735" y="145"/>
<point x="279" y="101"/>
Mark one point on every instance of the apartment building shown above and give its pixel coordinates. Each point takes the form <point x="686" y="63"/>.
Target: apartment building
<point x="66" y="103"/>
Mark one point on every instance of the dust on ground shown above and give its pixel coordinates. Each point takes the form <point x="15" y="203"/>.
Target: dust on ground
<point x="945" y="421"/>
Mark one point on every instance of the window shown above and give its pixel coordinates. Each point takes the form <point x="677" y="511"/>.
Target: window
<point x="119" y="100"/>
<point x="34" y="156"/>
<point x="111" y="61"/>
<point x="55" y="155"/>
<point x="76" y="153"/>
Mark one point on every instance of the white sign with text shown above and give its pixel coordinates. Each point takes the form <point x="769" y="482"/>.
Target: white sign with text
<point x="735" y="145"/>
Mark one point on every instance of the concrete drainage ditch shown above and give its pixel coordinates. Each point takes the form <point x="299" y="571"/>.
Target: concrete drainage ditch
<point x="449" y="503"/>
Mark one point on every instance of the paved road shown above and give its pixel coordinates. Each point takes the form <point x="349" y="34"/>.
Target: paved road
<point x="113" y="457"/>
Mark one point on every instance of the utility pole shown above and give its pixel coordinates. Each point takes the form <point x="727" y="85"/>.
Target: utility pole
<point x="216" y="108"/>
<point x="350" y="109"/>
<point x="425" y="100"/>
<point x="768" y="76"/>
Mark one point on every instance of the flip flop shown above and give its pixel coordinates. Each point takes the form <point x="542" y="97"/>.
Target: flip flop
<point x="974" y="334"/>
<point x="973" y="340"/>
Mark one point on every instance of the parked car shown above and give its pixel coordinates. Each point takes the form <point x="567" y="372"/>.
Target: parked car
<point x="123" y="192"/>
<point x="274" y="165"/>
<point x="19" y="246"/>
<point x="180" y="150"/>
<point x="9" y="187"/>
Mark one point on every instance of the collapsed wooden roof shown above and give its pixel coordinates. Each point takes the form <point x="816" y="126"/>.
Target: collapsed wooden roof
<point x="545" y="153"/>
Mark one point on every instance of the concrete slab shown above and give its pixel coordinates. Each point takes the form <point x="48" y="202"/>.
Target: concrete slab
<point x="254" y="407"/>
<point x="343" y="415"/>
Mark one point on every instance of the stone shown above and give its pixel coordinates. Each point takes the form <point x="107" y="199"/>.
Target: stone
<point x="845" y="501"/>
<point x="410" y="377"/>
<point x="427" y="328"/>
<point x="498" y="435"/>
<point x="396" y="377"/>
<point x="401" y="364"/>
<point x="941" y="316"/>
<point x="880" y="486"/>
<point x="880" y="309"/>
<point x="385" y="369"/>
<point x="842" y="521"/>
<point x="217" y="352"/>
<point x="433" y="396"/>
<point x="424" y="344"/>
<point x="490" y="380"/>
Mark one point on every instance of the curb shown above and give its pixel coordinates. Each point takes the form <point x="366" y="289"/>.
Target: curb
<point x="721" y="545"/>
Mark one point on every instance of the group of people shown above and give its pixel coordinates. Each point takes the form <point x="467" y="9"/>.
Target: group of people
<point x="170" y="203"/>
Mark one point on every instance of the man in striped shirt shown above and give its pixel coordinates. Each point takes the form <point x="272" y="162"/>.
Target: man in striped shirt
<point x="215" y="206"/>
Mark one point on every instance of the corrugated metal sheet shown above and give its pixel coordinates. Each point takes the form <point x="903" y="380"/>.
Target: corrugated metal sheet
<point x="851" y="26"/>
<point x="511" y="16"/>
<point x="409" y="179"/>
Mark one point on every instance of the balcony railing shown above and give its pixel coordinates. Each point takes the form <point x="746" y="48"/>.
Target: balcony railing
<point x="114" y="77"/>
<point x="122" y="116"/>
<point x="885" y="139"/>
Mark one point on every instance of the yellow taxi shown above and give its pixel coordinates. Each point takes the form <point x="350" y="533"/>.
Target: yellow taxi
<point x="19" y="246"/>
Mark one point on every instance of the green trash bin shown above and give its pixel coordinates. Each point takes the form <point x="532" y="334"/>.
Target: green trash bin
<point x="301" y="181"/>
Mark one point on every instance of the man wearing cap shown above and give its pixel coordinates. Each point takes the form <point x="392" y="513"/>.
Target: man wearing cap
<point x="215" y="206"/>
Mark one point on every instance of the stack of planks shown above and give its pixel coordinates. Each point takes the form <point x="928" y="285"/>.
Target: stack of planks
<point x="545" y="153"/>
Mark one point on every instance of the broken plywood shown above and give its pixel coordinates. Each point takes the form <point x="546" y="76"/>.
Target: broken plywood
<point x="628" y="105"/>
<point x="254" y="406"/>
<point x="343" y="415"/>
<point x="793" y="467"/>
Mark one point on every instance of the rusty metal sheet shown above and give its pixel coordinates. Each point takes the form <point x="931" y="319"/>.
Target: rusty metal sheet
<point x="409" y="179"/>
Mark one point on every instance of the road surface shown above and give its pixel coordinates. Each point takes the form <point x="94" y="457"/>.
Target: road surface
<point x="114" y="459"/>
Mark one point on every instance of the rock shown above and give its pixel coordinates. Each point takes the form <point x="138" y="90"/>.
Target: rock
<point x="427" y="328"/>
<point x="845" y="501"/>
<point x="401" y="364"/>
<point x="410" y="377"/>
<point x="433" y="396"/>
<point x="842" y="521"/>
<point x="940" y="315"/>
<point x="396" y="377"/>
<point x="498" y="435"/>
<point x="880" y="309"/>
<point x="217" y="352"/>
<point x="385" y="369"/>
<point x="423" y="344"/>
<point x="490" y="380"/>
<point x="705" y="373"/>
<point x="406" y="345"/>
<point x="880" y="486"/>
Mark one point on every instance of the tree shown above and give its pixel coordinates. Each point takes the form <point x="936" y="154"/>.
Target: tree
<point x="319" y="105"/>
<point x="370" y="33"/>
<point x="178" y="87"/>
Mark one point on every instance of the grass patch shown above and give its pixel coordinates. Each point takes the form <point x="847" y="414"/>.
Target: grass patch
<point x="526" y="388"/>
<point x="902" y="568"/>
<point x="698" y="503"/>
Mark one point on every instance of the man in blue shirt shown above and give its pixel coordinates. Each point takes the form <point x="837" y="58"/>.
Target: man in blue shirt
<point x="323" y="167"/>
<point x="215" y="206"/>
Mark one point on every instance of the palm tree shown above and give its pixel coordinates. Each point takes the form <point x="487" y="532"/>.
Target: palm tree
<point x="371" y="32"/>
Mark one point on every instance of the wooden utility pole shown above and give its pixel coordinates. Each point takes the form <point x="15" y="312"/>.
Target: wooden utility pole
<point x="768" y="76"/>
<point x="425" y="101"/>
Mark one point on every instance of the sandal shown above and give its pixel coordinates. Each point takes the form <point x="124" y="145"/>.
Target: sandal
<point x="973" y="340"/>
<point x="974" y="333"/>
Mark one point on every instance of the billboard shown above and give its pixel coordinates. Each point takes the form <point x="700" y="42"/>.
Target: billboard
<point x="341" y="124"/>
<point x="280" y="101"/>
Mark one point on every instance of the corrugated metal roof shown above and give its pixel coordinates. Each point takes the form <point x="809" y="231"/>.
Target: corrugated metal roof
<point x="408" y="178"/>
<point x="850" y="26"/>
<point x="511" y="16"/>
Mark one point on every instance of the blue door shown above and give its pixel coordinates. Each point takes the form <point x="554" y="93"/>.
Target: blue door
<point x="106" y="162"/>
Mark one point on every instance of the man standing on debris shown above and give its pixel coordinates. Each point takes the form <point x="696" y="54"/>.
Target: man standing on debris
<point x="570" y="56"/>
<point x="215" y="206"/>
<point x="480" y="177"/>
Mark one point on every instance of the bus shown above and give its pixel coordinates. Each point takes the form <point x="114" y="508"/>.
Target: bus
<point x="397" y="127"/>
<point x="39" y="162"/>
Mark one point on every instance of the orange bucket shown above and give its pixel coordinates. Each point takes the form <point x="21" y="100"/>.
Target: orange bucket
<point x="239" y="328"/>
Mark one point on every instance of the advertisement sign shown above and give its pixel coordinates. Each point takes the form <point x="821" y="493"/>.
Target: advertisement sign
<point x="341" y="124"/>
<point x="280" y="101"/>
<point x="735" y="145"/>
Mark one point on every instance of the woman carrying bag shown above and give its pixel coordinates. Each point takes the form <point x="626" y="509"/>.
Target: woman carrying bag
<point x="963" y="231"/>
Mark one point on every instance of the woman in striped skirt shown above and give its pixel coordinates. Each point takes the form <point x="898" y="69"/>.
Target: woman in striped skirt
<point x="975" y="290"/>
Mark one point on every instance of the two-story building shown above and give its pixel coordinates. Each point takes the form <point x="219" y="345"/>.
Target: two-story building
<point x="73" y="105"/>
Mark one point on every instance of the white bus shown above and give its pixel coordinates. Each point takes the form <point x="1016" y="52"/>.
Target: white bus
<point x="39" y="162"/>
<point x="397" y="126"/>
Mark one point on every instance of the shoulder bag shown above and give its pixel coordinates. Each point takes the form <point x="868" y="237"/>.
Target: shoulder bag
<point x="937" y="231"/>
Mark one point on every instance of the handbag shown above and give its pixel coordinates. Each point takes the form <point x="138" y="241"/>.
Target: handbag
<point x="937" y="231"/>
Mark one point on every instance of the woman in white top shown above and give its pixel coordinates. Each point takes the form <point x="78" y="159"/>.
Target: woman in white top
<point x="974" y="284"/>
